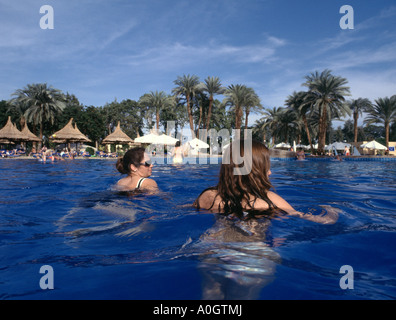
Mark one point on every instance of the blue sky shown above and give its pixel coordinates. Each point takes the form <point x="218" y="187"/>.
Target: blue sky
<point x="104" y="50"/>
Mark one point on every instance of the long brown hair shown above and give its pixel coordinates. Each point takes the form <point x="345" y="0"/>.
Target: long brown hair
<point x="234" y="189"/>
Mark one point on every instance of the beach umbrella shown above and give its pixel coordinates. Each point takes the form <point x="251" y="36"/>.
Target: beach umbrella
<point x="11" y="133"/>
<point x="148" y="138"/>
<point x="83" y="137"/>
<point x="165" y="139"/>
<point x="337" y="146"/>
<point x="153" y="138"/>
<point x="29" y="134"/>
<point x="373" y="145"/>
<point x="282" y="145"/>
<point x="198" y="144"/>
<point x="303" y="146"/>
<point x="117" y="137"/>
<point x="68" y="134"/>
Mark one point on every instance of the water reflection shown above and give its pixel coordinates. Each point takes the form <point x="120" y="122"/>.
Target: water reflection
<point x="236" y="262"/>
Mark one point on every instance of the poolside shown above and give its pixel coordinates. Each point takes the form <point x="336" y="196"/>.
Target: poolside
<point x="210" y="158"/>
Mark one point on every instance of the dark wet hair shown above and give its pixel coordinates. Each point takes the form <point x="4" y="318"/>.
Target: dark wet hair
<point x="133" y="156"/>
<point x="177" y="144"/>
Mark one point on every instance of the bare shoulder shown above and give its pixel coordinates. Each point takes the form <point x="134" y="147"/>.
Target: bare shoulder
<point x="207" y="198"/>
<point x="149" y="184"/>
<point x="279" y="202"/>
<point x="124" y="183"/>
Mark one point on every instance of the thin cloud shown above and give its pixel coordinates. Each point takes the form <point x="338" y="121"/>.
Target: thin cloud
<point x="176" y="54"/>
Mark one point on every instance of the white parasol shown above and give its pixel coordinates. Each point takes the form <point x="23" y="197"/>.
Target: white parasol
<point x="337" y="146"/>
<point x="198" y="144"/>
<point x="153" y="138"/>
<point x="373" y="145"/>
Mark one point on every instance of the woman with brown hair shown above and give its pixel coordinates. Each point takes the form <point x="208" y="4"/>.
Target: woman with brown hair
<point x="248" y="195"/>
<point x="137" y="165"/>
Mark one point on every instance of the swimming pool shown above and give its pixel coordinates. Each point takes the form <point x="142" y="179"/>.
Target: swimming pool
<point x="104" y="245"/>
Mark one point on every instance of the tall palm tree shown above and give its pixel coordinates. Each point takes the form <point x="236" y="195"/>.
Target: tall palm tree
<point x="271" y="120"/>
<point x="286" y="123"/>
<point x="157" y="101"/>
<point x="252" y="103"/>
<point x="260" y="127"/>
<point x="328" y="92"/>
<point x="201" y="101"/>
<point x="211" y="85"/>
<point x="382" y="111"/>
<point x="42" y="103"/>
<point x="235" y="96"/>
<point x="187" y="86"/>
<point x="357" y="106"/>
<point x="302" y="102"/>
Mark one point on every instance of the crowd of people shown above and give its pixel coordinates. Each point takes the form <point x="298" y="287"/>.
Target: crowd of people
<point x="17" y="152"/>
<point x="45" y="154"/>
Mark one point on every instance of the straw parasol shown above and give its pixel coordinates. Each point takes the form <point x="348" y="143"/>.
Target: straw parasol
<point x="10" y="133"/>
<point x="118" y="136"/>
<point x="29" y="134"/>
<point x="69" y="134"/>
<point x="83" y="137"/>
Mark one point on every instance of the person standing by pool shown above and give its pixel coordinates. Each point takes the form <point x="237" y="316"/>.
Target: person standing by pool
<point x="246" y="196"/>
<point x="177" y="153"/>
<point x="300" y="155"/>
<point x="137" y="165"/>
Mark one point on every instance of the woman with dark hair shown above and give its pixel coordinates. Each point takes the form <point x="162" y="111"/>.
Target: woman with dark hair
<point x="248" y="195"/>
<point x="138" y="167"/>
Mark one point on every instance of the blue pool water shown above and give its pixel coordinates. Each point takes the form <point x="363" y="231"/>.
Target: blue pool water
<point x="104" y="245"/>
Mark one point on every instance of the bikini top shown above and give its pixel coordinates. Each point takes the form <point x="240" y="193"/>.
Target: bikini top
<point x="140" y="183"/>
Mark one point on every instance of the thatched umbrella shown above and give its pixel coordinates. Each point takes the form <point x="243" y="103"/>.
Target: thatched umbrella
<point x="11" y="133"/>
<point x="68" y="134"/>
<point x="29" y="134"/>
<point x="118" y="136"/>
<point x="83" y="137"/>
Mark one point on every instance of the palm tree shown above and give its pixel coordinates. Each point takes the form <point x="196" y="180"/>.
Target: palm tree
<point x="357" y="106"/>
<point x="328" y="96"/>
<point x="187" y="86"/>
<point x="252" y="103"/>
<point x="236" y="95"/>
<point x="271" y="120"/>
<point x="157" y="101"/>
<point x="42" y="103"/>
<point x="382" y="111"/>
<point x="212" y="86"/>
<point x="260" y="128"/>
<point x="286" y="123"/>
<point x="301" y="103"/>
